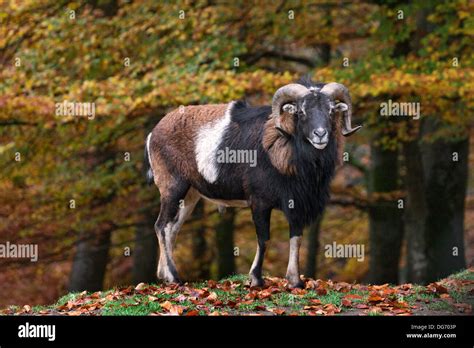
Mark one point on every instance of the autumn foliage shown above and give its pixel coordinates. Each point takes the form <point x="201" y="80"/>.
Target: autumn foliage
<point x="137" y="60"/>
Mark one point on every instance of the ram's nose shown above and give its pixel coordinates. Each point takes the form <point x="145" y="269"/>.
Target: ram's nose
<point x="319" y="132"/>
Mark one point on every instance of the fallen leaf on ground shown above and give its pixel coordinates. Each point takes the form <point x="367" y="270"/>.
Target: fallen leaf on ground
<point x="277" y="311"/>
<point x="212" y="296"/>
<point x="166" y="305"/>
<point x="375" y="298"/>
<point x="346" y="302"/>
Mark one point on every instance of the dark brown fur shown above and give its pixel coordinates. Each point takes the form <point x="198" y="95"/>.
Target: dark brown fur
<point x="173" y="154"/>
<point x="278" y="147"/>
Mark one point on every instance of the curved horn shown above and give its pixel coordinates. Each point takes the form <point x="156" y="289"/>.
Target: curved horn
<point x="286" y="94"/>
<point x="340" y="92"/>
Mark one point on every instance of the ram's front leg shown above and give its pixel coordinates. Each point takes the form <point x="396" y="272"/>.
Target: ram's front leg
<point x="293" y="271"/>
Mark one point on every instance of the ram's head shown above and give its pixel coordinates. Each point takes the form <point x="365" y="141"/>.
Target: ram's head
<point x="315" y="109"/>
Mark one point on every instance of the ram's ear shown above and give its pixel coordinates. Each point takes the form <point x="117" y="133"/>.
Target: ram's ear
<point x="340" y="107"/>
<point x="289" y="108"/>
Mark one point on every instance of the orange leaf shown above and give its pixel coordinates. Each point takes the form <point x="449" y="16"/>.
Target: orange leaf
<point x="277" y="311"/>
<point x="375" y="298"/>
<point x="379" y="287"/>
<point x="166" y="305"/>
<point x="352" y="296"/>
<point x="212" y="296"/>
<point x="321" y="291"/>
<point x="346" y="302"/>
<point x="176" y="310"/>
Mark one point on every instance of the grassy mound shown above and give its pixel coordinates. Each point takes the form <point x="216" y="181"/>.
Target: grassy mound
<point x="232" y="296"/>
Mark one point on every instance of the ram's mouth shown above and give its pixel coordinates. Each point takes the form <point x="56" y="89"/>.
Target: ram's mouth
<point x="318" y="144"/>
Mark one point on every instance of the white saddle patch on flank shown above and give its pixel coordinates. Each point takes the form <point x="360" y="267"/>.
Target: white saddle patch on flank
<point x="208" y="139"/>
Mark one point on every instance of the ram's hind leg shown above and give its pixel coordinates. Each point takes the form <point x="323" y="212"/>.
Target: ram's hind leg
<point x="261" y="218"/>
<point x="175" y="209"/>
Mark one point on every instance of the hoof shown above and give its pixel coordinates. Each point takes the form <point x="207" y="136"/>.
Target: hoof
<point x="256" y="282"/>
<point x="176" y="281"/>
<point x="167" y="278"/>
<point x="295" y="283"/>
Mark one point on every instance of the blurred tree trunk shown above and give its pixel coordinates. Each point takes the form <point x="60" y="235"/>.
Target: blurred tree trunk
<point x="92" y="248"/>
<point x="415" y="214"/>
<point x="385" y="218"/>
<point x="146" y="249"/>
<point x="415" y="210"/>
<point x="90" y="262"/>
<point x="436" y="190"/>
<point x="199" y="244"/>
<point x="445" y="165"/>
<point x="225" y="244"/>
<point x="313" y="247"/>
<point x="325" y="53"/>
<point x="325" y="47"/>
<point x="109" y="7"/>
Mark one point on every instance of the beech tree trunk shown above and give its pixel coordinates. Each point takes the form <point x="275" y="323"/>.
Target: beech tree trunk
<point x="145" y="254"/>
<point x="445" y="165"/>
<point x="90" y="262"/>
<point x="313" y="247"/>
<point x="415" y="214"/>
<point x="200" y="248"/>
<point x="385" y="218"/>
<point x="225" y="244"/>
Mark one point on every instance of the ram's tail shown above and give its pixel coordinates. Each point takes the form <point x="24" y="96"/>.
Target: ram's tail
<point x="147" y="163"/>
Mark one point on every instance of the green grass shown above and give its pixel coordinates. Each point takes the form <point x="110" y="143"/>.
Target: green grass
<point x="244" y="307"/>
<point x="240" y="278"/>
<point x="291" y="302"/>
<point x="464" y="275"/>
<point x="419" y="296"/>
<point x="441" y="306"/>
<point x="66" y="298"/>
<point x="288" y="300"/>
<point x="134" y="305"/>
<point x="435" y="303"/>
